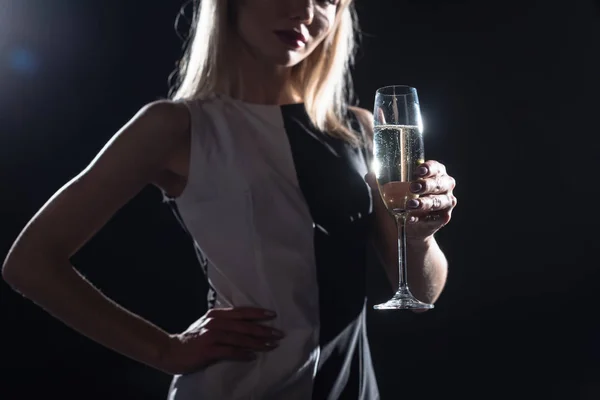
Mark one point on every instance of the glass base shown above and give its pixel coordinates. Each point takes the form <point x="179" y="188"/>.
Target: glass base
<point x="403" y="300"/>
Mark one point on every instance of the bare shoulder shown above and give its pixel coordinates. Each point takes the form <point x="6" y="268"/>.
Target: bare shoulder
<point x="132" y="158"/>
<point x="147" y="145"/>
<point x="365" y="118"/>
<point x="157" y="136"/>
<point x="168" y="122"/>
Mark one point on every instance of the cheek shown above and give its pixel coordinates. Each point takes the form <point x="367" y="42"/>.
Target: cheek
<point x="322" y="26"/>
<point x="249" y="18"/>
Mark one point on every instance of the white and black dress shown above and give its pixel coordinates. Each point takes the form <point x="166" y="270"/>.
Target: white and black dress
<point x="279" y="215"/>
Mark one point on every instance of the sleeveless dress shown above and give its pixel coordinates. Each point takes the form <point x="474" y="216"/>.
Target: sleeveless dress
<point x="279" y="213"/>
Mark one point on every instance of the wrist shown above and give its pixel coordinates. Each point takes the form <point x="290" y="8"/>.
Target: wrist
<point x="164" y="351"/>
<point x="420" y="243"/>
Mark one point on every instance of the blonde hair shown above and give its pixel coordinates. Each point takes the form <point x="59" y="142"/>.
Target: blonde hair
<point x="323" y="78"/>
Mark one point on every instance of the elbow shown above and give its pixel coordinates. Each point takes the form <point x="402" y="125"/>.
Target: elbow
<point x="22" y="272"/>
<point x="14" y="273"/>
<point x="10" y="270"/>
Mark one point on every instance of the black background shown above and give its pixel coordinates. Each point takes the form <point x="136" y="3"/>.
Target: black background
<point x="509" y="92"/>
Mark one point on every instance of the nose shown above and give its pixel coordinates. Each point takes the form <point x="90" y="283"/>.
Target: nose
<point x="303" y="11"/>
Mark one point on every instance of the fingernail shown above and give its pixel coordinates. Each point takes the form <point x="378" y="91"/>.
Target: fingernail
<point x="422" y="171"/>
<point x="277" y="333"/>
<point x="412" y="220"/>
<point x="271" y="344"/>
<point x="413" y="203"/>
<point x="416" y="187"/>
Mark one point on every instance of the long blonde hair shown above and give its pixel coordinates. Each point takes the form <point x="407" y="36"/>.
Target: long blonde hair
<point x="323" y="78"/>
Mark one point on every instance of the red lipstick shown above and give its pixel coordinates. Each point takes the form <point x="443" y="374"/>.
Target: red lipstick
<point x="292" y="38"/>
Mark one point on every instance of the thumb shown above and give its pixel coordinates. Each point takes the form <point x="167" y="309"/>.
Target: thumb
<point x="371" y="180"/>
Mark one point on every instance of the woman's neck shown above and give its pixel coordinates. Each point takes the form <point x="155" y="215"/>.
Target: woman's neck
<point x="261" y="82"/>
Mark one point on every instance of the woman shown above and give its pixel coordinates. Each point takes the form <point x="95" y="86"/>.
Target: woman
<point x="264" y="163"/>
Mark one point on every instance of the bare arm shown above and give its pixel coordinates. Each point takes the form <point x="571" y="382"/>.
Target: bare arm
<point x="38" y="265"/>
<point x="427" y="265"/>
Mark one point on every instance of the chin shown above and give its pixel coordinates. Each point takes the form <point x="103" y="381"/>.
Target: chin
<point x="287" y="59"/>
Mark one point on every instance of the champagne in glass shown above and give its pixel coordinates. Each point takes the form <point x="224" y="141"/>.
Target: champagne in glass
<point x="398" y="151"/>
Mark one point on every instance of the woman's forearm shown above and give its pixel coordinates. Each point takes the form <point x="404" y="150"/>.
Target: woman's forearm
<point x="427" y="269"/>
<point x="67" y="295"/>
<point x="427" y="265"/>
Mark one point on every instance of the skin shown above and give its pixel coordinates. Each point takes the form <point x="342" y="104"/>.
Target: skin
<point x="266" y="60"/>
<point x="152" y="148"/>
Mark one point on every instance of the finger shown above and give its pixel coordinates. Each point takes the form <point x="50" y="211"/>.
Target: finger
<point x="435" y="184"/>
<point x="244" y="327"/>
<point x="434" y="202"/>
<point x="430" y="168"/>
<point x="248" y="313"/>
<point x="240" y="340"/>
<point x="433" y="220"/>
<point x="371" y="180"/>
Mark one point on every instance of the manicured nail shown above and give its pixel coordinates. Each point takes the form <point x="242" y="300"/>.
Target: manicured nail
<point x="422" y="171"/>
<point x="277" y="333"/>
<point x="416" y="187"/>
<point x="413" y="203"/>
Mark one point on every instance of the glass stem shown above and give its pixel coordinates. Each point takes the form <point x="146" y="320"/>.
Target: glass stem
<point x="402" y="273"/>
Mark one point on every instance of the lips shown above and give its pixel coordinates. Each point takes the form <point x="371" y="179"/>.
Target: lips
<point x="292" y="38"/>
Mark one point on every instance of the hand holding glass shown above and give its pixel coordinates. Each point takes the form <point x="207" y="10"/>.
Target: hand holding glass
<point x="398" y="151"/>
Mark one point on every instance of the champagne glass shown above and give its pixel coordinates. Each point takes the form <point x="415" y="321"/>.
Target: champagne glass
<point x="398" y="151"/>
